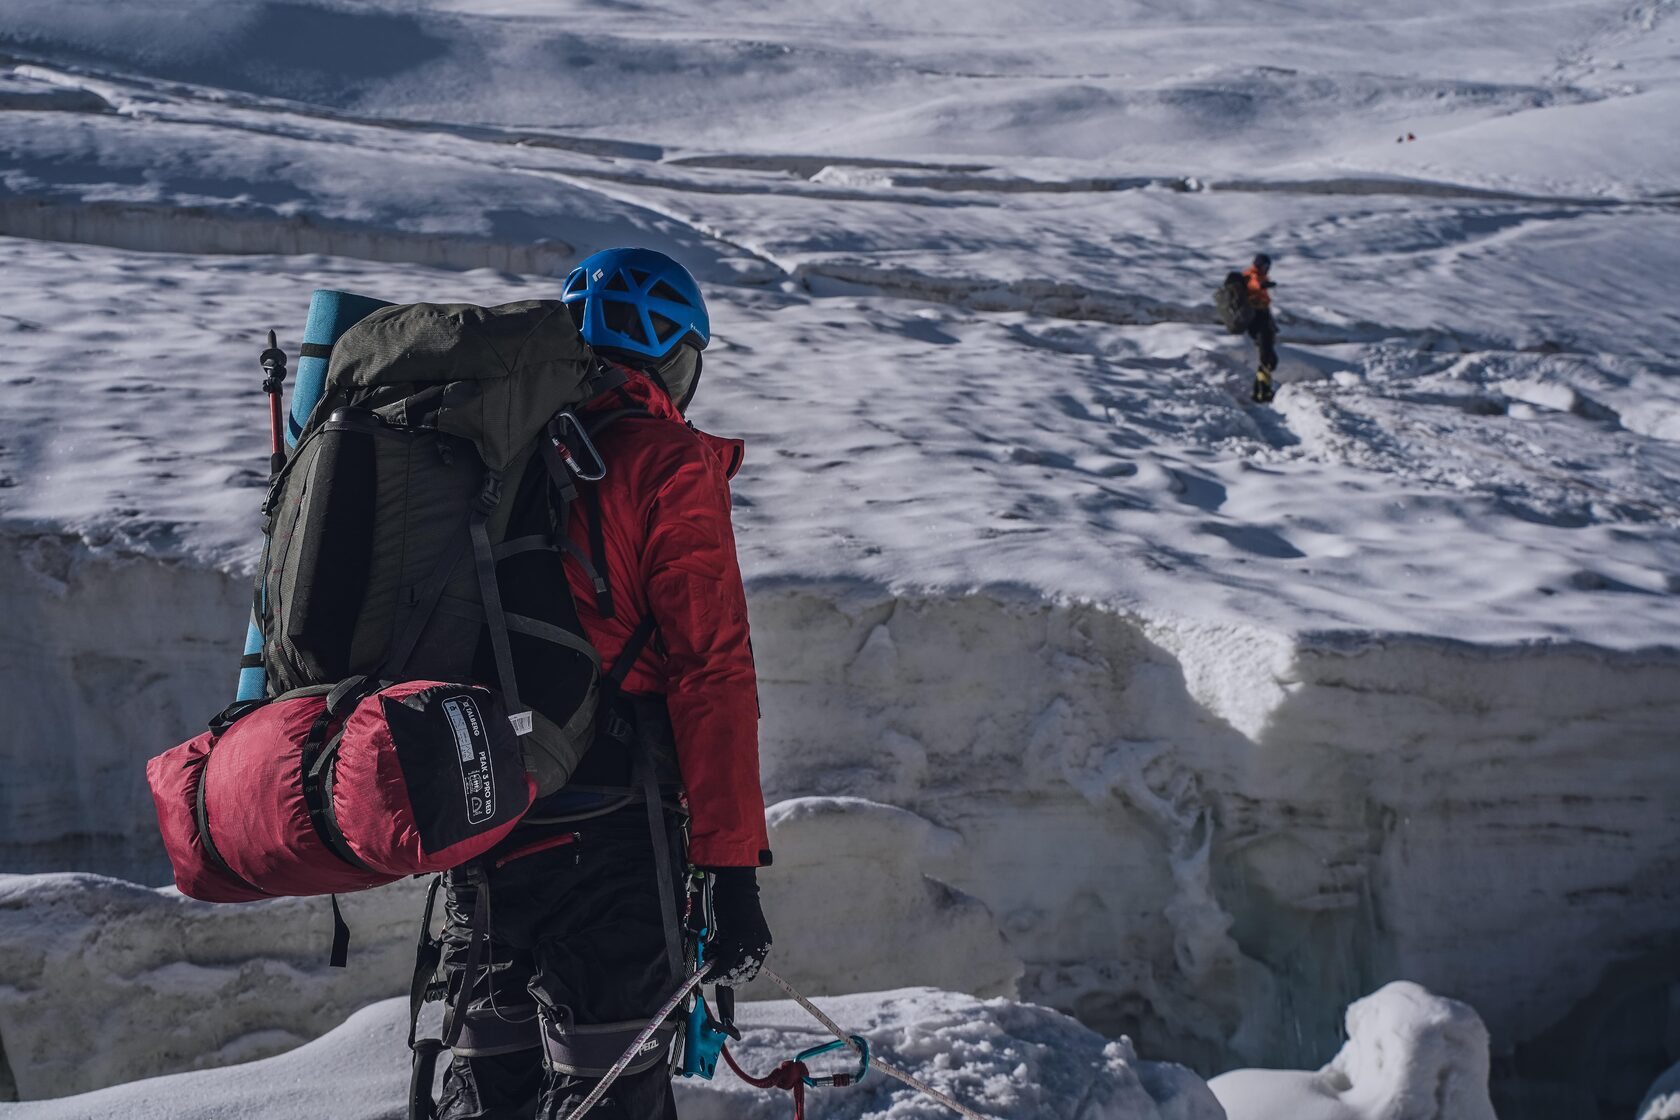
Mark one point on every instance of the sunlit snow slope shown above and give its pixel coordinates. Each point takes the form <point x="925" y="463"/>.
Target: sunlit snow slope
<point x="1222" y="716"/>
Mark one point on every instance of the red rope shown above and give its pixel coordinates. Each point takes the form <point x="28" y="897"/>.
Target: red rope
<point x="789" y="1075"/>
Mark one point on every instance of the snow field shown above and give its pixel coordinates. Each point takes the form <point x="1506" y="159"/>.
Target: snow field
<point x="1006" y="1059"/>
<point x="1194" y="719"/>
<point x="1663" y="1101"/>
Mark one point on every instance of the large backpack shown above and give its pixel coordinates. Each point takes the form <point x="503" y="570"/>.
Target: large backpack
<point x="1231" y="300"/>
<point x="413" y="555"/>
<point x="410" y="535"/>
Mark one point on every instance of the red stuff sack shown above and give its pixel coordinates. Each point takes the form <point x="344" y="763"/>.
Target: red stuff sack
<point x="299" y="796"/>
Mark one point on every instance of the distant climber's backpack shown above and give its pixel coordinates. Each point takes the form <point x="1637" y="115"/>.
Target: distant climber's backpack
<point x="1236" y="309"/>
<point x="413" y="551"/>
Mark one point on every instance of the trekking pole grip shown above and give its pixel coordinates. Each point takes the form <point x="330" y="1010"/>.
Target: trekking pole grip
<point x="274" y="370"/>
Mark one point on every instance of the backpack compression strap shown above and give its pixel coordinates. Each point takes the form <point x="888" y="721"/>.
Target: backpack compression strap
<point x="645" y="773"/>
<point x="489" y="497"/>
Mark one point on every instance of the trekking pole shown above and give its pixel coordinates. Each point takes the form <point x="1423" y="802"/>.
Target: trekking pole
<point x="274" y="367"/>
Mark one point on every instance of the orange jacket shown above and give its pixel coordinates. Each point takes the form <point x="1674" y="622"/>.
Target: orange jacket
<point x="1257" y="285"/>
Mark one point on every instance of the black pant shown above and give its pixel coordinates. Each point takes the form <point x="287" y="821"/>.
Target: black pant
<point x="1263" y="330"/>
<point x="581" y="924"/>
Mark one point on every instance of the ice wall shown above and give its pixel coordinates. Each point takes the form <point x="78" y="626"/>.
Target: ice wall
<point x="105" y="660"/>
<point x="103" y="981"/>
<point x="154" y="228"/>
<point x="1211" y="839"/>
<point x="155" y="983"/>
<point x="1215" y="839"/>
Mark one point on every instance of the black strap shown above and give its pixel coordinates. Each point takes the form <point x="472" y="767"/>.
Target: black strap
<point x="558" y="474"/>
<point x="536" y="542"/>
<point x="347" y="693"/>
<point x="315" y="350"/>
<point x="479" y="937"/>
<point x="661" y="855"/>
<point x="567" y="490"/>
<point x="316" y="759"/>
<point x="542" y="542"/>
<point x="428" y="954"/>
<point x="341" y="938"/>
<point x="491" y="594"/>
<point x="601" y="421"/>
<point x="633" y="646"/>
<point x="598" y="553"/>
<point x="424" y="1069"/>
<point x="233" y="713"/>
<point x="203" y="817"/>
<point x="646" y="776"/>
<point x="251" y="660"/>
<point x="603" y="600"/>
<point x="324" y="779"/>
<point x="548" y="632"/>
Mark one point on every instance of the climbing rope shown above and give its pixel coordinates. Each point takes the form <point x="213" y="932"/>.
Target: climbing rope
<point x="792" y="1075"/>
<point x="874" y="1062"/>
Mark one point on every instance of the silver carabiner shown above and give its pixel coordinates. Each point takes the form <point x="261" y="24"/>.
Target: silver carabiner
<point x="562" y="446"/>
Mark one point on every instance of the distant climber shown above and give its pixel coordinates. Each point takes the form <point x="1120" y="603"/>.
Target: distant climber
<point x="1244" y="304"/>
<point x="1262" y="328"/>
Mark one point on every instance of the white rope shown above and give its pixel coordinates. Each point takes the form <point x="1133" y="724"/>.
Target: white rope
<point x="876" y="1063"/>
<point x="629" y="1055"/>
<point x="816" y="1012"/>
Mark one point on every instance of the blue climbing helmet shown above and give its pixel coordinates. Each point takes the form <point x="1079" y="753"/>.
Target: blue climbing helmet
<point x="637" y="304"/>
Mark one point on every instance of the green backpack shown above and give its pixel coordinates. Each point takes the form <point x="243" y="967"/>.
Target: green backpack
<point x="417" y="531"/>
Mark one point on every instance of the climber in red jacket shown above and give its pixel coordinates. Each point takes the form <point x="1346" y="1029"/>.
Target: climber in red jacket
<point x="582" y="948"/>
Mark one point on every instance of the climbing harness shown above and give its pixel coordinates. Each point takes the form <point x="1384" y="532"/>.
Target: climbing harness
<point x="635" y="1047"/>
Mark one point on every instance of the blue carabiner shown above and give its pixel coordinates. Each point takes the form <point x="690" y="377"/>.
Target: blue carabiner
<point x="837" y="1080"/>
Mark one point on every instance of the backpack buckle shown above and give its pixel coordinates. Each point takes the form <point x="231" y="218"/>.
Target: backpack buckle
<point x="489" y="494"/>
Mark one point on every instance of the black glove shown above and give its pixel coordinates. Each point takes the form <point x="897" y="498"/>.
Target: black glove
<point x="742" y="939"/>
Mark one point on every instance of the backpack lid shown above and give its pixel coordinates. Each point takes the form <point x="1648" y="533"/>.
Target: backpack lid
<point x="493" y="375"/>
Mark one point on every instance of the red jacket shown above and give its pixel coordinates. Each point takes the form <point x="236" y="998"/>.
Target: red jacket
<point x="670" y="550"/>
<point x="1257" y="285"/>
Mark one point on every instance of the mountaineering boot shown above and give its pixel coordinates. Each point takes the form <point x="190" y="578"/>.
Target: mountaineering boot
<point x="1263" y="387"/>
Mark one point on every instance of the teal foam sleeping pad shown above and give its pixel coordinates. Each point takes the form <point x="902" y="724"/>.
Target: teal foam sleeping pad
<point x="330" y="315"/>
